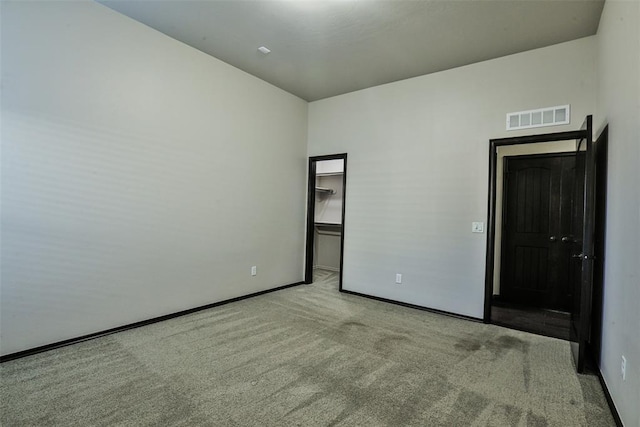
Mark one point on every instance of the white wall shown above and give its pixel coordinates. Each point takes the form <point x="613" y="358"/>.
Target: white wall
<point x="421" y="145"/>
<point x="137" y="175"/>
<point x="329" y="166"/>
<point x="618" y="103"/>
<point x="327" y="248"/>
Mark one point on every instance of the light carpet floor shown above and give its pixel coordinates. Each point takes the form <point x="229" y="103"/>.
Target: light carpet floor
<point x="305" y="356"/>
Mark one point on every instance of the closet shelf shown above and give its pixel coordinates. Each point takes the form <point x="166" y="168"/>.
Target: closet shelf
<point x="324" y="190"/>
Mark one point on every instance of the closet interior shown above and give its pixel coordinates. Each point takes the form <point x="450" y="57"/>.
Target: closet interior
<point x="328" y="214"/>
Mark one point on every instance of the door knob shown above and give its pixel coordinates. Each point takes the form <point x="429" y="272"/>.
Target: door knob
<point x="568" y="239"/>
<point x="552" y="238"/>
<point x="577" y="256"/>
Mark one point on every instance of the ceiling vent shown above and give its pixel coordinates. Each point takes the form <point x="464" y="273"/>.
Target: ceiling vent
<point x="551" y="116"/>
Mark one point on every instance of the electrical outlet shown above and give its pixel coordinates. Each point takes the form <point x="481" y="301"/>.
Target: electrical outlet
<point x="254" y="270"/>
<point x="623" y="368"/>
<point x="477" y="227"/>
<point x="398" y="278"/>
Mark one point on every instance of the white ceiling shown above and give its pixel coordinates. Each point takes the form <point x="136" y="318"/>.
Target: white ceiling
<point x="330" y="47"/>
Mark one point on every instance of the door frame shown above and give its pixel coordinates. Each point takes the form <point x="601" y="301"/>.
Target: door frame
<point x="491" y="223"/>
<point x="311" y="213"/>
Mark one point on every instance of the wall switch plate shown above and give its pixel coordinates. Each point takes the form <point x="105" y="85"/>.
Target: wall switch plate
<point x="254" y="270"/>
<point x="623" y="368"/>
<point x="477" y="227"/>
<point x="398" y="278"/>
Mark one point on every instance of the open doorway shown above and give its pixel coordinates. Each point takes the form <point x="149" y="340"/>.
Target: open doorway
<point x="535" y="213"/>
<point x="325" y="217"/>
<point x="581" y="235"/>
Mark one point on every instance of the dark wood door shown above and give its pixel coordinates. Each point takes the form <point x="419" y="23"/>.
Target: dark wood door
<point x="595" y="339"/>
<point x="584" y="251"/>
<point x="537" y="223"/>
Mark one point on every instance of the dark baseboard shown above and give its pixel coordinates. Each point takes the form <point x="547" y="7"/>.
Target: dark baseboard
<point x="607" y="395"/>
<point x="95" y="335"/>
<point x="417" y="307"/>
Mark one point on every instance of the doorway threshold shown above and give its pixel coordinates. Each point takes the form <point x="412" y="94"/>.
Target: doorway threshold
<point x="551" y="323"/>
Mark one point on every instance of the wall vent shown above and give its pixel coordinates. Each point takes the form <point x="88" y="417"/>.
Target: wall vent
<point x="551" y="116"/>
